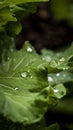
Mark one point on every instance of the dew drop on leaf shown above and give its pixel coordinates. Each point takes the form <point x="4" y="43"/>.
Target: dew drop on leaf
<point x="29" y="49"/>
<point x="58" y="74"/>
<point x="62" y="59"/>
<point x="56" y="90"/>
<point x="50" y="79"/>
<point x="16" y="88"/>
<point x="24" y="74"/>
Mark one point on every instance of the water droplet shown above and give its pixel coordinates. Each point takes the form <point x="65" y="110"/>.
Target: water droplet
<point x="62" y="59"/>
<point x="50" y="79"/>
<point x="24" y="74"/>
<point x="29" y="49"/>
<point x="58" y="74"/>
<point x="56" y="90"/>
<point x="16" y="88"/>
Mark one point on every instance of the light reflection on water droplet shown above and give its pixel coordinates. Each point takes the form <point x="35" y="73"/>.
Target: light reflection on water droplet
<point x="56" y="90"/>
<point x="62" y="59"/>
<point x="16" y="88"/>
<point x="50" y="79"/>
<point x="24" y="74"/>
<point x="28" y="71"/>
<point x="29" y="49"/>
<point x="58" y="74"/>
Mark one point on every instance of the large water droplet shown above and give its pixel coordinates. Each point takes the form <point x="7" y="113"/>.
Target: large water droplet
<point x="24" y="74"/>
<point x="29" y="49"/>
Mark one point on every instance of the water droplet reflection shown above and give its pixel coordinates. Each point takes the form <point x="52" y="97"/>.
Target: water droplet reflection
<point x="16" y="88"/>
<point x="56" y="90"/>
<point x="29" y="49"/>
<point x="58" y="74"/>
<point x="24" y="74"/>
<point x="50" y="79"/>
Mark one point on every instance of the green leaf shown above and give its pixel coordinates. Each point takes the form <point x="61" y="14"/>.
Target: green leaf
<point x="14" y="10"/>
<point x="23" y="88"/>
<point x="5" y="16"/>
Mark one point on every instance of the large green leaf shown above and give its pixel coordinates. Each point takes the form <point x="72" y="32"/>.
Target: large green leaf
<point x="30" y="84"/>
<point x="24" y="87"/>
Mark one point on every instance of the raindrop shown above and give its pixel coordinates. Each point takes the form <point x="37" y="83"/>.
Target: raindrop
<point x="56" y="90"/>
<point x="62" y="59"/>
<point x="16" y="88"/>
<point x="24" y="74"/>
<point x="58" y="74"/>
<point x="29" y="49"/>
<point x="50" y="79"/>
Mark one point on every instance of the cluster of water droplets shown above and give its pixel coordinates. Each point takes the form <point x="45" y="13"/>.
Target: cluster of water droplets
<point x="29" y="49"/>
<point x="26" y="74"/>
